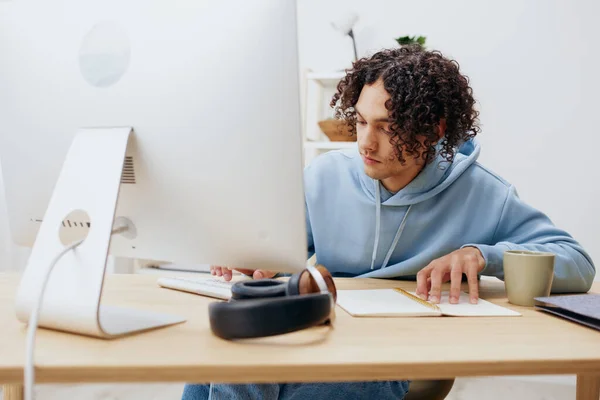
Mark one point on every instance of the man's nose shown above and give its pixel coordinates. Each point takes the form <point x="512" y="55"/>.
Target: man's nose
<point x="368" y="140"/>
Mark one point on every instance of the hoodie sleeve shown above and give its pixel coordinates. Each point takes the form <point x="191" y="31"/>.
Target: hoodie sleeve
<point x="521" y="227"/>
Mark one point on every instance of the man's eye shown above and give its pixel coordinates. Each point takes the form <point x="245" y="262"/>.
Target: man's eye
<point x="361" y="122"/>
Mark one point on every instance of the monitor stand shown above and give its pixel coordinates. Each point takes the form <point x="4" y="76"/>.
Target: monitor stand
<point x="88" y="187"/>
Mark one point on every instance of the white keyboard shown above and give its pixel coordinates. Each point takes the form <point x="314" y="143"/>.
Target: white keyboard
<point x="204" y="286"/>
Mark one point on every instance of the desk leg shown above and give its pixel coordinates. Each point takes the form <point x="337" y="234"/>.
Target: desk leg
<point x="588" y="387"/>
<point x="13" y="392"/>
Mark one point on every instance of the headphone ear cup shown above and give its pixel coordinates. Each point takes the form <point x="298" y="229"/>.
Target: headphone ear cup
<point x="263" y="288"/>
<point x="293" y="285"/>
<point x="267" y="317"/>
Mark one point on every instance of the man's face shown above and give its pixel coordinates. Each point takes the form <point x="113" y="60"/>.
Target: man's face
<point x="373" y="135"/>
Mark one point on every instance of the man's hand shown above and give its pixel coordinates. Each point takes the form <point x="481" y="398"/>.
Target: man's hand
<point x="467" y="260"/>
<point x="226" y="273"/>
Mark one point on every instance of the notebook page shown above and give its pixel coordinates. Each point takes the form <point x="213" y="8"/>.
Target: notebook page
<point x="381" y="303"/>
<point x="464" y="308"/>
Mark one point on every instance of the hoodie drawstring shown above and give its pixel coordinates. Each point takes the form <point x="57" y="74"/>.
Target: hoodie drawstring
<point x="377" y="222"/>
<point x="396" y="238"/>
<point x="378" y="226"/>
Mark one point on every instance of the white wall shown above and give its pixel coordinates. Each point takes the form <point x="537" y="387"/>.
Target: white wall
<point x="12" y="258"/>
<point x="533" y="67"/>
<point x="4" y="239"/>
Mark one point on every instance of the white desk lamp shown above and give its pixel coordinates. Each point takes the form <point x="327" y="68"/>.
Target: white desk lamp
<point x="345" y="26"/>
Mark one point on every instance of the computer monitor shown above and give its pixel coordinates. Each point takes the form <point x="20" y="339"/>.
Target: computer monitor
<point x="178" y="119"/>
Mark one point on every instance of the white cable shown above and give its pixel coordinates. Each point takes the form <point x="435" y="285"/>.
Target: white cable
<point x="33" y="322"/>
<point x="33" y="318"/>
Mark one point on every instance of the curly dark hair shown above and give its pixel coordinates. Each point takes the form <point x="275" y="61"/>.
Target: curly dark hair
<point x="424" y="87"/>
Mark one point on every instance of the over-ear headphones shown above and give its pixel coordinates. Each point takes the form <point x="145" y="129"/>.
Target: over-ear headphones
<point x="268" y="307"/>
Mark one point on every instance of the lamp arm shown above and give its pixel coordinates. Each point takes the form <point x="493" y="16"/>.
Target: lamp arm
<point x="351" y="34"/>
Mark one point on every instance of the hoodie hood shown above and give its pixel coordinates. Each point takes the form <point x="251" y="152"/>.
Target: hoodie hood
<point x="434" y="178"/>
<point x="344" y="225"/>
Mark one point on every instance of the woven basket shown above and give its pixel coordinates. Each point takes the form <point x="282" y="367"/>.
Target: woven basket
<point x="337" y="130"/>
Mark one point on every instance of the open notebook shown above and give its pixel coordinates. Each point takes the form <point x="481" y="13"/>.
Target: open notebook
<point x="401" y="303"/>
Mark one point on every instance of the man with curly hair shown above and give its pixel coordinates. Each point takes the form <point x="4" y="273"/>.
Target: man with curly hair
<point x="412" y="202"/>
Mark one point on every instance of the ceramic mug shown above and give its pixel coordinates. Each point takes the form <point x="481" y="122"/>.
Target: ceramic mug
<point x="527" y="275"/>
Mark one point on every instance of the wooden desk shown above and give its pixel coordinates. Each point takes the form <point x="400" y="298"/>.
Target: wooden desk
<point x="355" y="349"/>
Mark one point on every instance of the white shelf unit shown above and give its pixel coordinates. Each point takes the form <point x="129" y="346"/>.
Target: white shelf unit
<point x="318" y="85"/>
<point x="325" y="77"/>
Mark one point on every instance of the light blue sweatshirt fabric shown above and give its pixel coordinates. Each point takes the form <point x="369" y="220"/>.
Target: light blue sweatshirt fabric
<point x="357" y="228"/>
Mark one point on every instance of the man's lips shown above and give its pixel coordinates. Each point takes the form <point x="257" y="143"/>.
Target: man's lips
<point x="369" y="161"/>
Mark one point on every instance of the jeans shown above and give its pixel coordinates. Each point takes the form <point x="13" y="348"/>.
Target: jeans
<point x="298" y="391"/>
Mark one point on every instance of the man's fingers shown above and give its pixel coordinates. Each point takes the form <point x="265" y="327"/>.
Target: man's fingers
<point x="446" y="277"/>
<point x="247" y="272"/>
<point x="423" y="282"/>
<point x="260" y="274"/>
<point x="437" y="274"/>
<point x="455" y="281"/>
<point x="227" y="274"/>
<point x="473" y="283"/>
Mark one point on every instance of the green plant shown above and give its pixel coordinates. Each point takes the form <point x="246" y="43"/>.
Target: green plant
<point x="404" y="40"/>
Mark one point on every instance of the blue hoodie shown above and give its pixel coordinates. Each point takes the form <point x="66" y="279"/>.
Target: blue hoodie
<point x="357" y="228"/>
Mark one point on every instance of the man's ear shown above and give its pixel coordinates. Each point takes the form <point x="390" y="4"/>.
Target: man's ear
<point x="442" y="128"/>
